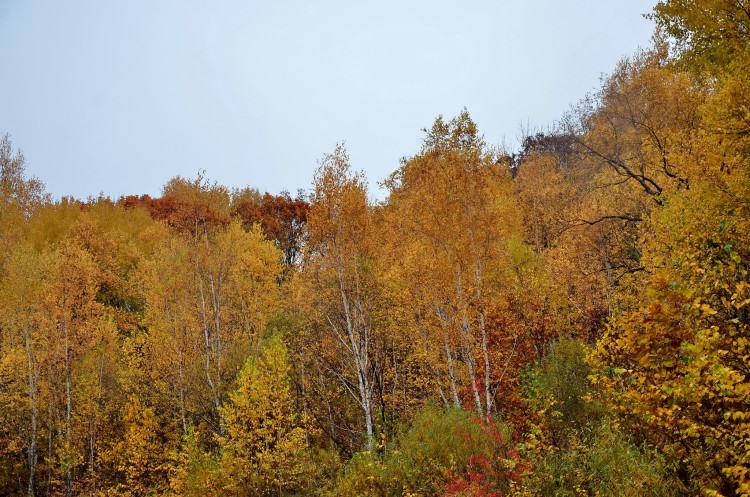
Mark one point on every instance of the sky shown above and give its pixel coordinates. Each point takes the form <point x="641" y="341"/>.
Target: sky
<point x="119" y="96"/>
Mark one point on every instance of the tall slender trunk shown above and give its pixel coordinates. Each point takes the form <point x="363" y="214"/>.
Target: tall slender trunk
<point x="216" y="309"/>
<point x="358" y="336"/>
<point x="50" y="438"/>
<point x="68" y="416"/>
<point x="183" y="417"/>
<point x="364" y="388"/>
<point x="443" y="319"/>
<point x="465" y="328"/>
<point x="485" y="353"/>
<point x="470" y="362"/>
<point x="207" y="339"/>
<point x="479" y="296"/>
<point x="94" y="426"/>
<point x="33" y="376"/>
<point x="452" y="374"/>
<point x="482" y="330"/>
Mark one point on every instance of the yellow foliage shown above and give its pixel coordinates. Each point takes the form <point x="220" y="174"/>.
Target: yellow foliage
<point x="264" y="445"/>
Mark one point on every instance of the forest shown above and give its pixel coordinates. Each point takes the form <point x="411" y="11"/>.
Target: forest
<point x="568" y="319"/>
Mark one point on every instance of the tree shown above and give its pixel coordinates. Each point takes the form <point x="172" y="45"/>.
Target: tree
<point x="139" y="457"/>
<point x="208" y="299"/>
<point x="679" y="363"/>
<point x="642" y="115"/>
<point x="19" y="197"/>
<point x="712" y="42"/>
<point x="264" y="447"/>
<point x="708" y="34"/>
<point x="339" y="281"/>
<point x="455" y="249"/>
<point x="22" y="361"/>
<point x="167" y="361"/>
<point x="282" y="218"/>
<point x="15" y="188"/>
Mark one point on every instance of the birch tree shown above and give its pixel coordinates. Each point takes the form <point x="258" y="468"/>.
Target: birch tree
<point x="340" y="281"/>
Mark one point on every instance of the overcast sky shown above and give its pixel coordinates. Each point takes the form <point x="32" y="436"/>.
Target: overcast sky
<point x="120" y="96"/>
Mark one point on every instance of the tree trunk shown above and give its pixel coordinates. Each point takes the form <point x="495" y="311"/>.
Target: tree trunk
<point x="33" y="377"/>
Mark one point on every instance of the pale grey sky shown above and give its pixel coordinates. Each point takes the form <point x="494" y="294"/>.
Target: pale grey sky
<point x="120" y="96"/>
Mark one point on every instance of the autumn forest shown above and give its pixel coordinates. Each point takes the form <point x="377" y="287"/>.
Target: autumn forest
<point x="570" y="318"/>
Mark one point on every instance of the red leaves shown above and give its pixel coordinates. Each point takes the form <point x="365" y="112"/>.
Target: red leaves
<point x="492" y="470"/>
<point x="179" y="214"/>
<point x="282" y="218"/>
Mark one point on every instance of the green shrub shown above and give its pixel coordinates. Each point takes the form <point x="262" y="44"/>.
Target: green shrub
<point x="558" y="390"/>
<point x="607" y="463"/>
<point x="578" y="448"/>
<point x="440" y="447"/>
